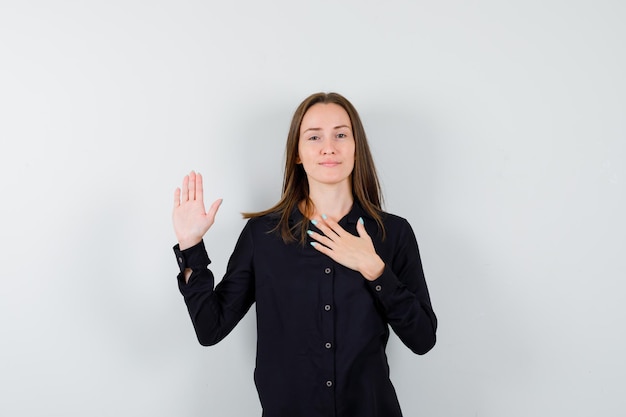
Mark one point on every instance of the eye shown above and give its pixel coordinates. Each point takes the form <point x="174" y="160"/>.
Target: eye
<point x="342" y="135"/>
<point x="314" y="137"/>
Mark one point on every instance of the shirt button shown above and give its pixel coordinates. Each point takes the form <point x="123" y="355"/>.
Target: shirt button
<point x="329" y="383"/>
<point x="327" y="307"/>
<point x="328" y="345"/>
<point x="378" y="288"/>
<point x="180" y="260"/>
<point x="328" y="271"/>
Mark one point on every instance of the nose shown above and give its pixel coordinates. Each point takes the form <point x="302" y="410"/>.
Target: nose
<point x="328" y="149"/>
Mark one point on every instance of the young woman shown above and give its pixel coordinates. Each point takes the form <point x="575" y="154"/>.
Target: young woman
<point x="328" y="269"/>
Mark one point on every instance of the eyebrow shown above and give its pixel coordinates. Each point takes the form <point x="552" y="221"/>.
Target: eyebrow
<point x="334" y="128"/>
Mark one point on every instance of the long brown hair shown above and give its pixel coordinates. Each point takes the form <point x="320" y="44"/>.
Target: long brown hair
<point x="365" y="185"/>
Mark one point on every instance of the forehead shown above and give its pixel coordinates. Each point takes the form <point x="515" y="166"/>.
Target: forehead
<point x="324" y="115"/>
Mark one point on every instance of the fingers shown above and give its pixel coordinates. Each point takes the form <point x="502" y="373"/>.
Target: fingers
<point x="320" y="238"/>
<point x="321" y="248"/>
<point x="330" y="227"/>
<point x="192" y="185"/>
<point x="199" y="189"/>
<point x="185" y="189"/>
<point x="191" y="189"/>
<point x="331" y="231"/>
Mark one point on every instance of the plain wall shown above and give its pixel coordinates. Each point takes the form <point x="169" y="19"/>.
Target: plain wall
<point x="499" y="131"/>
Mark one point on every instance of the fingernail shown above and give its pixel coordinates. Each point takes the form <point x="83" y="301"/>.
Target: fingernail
<point x="313" y="244"/>
<point x="324" y="216"/>
<point x="314" y="222"/>
<point x="361" y="220"/>
<point x="309" y="232"/>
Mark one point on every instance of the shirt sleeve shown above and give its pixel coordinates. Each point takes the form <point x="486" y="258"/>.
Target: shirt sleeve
<point x="216" y="311"/>
<point x="403" y="296"/>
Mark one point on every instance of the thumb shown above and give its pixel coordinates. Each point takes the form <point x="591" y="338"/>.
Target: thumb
<point x="214" y="208"/>
<point x="360" y="228"/>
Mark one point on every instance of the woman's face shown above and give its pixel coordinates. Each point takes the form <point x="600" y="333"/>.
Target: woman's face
<point x="326" y="145"/>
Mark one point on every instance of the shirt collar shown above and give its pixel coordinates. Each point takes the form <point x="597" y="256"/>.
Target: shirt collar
<point x="352" y="217"/>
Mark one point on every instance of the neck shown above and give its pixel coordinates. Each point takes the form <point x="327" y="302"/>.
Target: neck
<point x="333" y="201"/>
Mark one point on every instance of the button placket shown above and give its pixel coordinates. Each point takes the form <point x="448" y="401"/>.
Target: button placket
<point x="328" y="320"/>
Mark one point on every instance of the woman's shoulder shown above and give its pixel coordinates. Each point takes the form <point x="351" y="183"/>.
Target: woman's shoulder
<point x="263" y="219"/>
<point x="263" y="223"/>
<point x="392" y="219"/>
<point x="395" y="225"/>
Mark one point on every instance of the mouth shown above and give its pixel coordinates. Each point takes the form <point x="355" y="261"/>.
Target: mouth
<point x="329" y="164"/>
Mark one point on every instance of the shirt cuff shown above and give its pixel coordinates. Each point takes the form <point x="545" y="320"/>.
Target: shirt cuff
<point x="385" y="285"/>
<point x="194" y="257"/>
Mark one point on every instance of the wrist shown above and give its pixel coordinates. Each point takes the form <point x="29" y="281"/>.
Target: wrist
<point x="187" y="274"/>
<point x="188" y="243"/>
<point x="374" y="269"/>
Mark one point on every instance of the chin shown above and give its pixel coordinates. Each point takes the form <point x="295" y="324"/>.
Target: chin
<point x="333" y="181"/>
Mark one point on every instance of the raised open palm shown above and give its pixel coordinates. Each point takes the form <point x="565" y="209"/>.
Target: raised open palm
<point x="191" y="220"/>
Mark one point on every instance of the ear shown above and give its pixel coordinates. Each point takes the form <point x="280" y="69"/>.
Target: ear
<point x="298" y="160"/>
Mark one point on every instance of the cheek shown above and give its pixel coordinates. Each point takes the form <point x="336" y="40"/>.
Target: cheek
<point x="301" y="153"/>
<point x="352" y="151"/>
<point x="353" y="159"/>
<point x="306" y="154"/>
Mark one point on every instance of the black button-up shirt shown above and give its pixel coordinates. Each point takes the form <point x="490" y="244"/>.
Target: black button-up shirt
<point x="322" y="328"/>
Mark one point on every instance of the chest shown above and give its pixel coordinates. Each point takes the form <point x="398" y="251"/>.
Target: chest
<point x="303" y="278"/>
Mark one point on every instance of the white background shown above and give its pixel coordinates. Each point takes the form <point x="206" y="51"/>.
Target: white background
<point x="498" y="128"/>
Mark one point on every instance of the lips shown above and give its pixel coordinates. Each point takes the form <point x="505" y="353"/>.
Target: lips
<point x="329" y="164"/>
